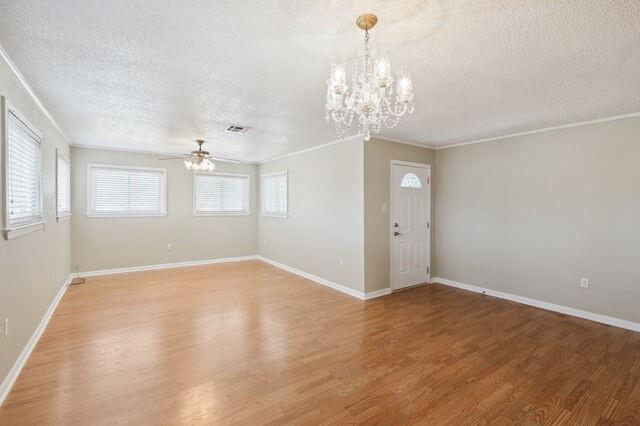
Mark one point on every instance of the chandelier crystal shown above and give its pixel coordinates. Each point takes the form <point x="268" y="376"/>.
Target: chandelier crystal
<point x="371" y="96"/>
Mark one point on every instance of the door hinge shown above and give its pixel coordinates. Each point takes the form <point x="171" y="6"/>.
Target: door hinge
<point x="427" y="269"/>
<point x="428" y="181"/>
<point x="428" y="225"/>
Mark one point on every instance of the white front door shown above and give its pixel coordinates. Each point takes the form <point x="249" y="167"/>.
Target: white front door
<point x="410" y="224"/>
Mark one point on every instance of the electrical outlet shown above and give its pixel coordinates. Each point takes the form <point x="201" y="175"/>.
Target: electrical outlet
<point x="6" y="327"/>
<point x="264" y="243"/>
<point x="51" y="275"/>
<point x="169" y="246"/>
<point x="385" y="207"/>
<point x="341" y="262"/>
<point x="584" y="282"/>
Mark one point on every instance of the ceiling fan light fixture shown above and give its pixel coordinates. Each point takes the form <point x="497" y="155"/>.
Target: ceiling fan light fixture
<point x="200" y="160"/>
<point x="199" y="164"/>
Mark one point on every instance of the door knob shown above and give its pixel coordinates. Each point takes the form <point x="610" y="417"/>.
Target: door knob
<point x="396" y="233"/>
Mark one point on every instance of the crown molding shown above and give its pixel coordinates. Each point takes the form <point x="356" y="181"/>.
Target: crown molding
<point x="418" y="144"/>
<point x="324" y="145"/>
<point x="313" y="148"/>
<point x="136" y="151"/>
<point x="546" y="129"/>
<point x="29" y="89"/>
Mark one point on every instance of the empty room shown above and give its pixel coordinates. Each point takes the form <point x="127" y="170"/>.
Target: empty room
<point x="320" y="212"/>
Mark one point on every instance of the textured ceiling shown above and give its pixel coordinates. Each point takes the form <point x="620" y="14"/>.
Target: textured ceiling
<point x="152" y="75"/>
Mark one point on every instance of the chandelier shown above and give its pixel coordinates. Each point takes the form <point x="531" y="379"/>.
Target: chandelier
<point x="371" y="96"/>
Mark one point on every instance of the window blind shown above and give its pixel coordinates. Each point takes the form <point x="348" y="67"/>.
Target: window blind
<point x="221" y="194"/>
<point x="24" y="196"/>
<point x="126" y="191"/>
<point x="274" y="194"/>
<point x="63" y="186"/>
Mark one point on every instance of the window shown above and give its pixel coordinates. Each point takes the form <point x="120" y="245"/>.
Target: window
<point x="63" y="187"/>
<point x="220" y="194"/>
<point x="410" y="180"/>
<point x="23" y="191"/>
<point x="125" y="191"/>
<point x="274" y="194"/>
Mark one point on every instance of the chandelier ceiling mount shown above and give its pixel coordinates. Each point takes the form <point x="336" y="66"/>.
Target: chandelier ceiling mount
<point x="367" y="21"/>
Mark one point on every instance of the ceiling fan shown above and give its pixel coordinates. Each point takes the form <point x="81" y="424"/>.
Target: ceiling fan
<point x="200" y="160"/>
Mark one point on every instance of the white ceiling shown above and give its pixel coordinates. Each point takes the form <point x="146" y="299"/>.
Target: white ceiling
<point x="154" y="75"/>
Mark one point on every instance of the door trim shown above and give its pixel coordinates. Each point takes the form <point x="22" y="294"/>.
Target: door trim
<point x="421" y="166"/>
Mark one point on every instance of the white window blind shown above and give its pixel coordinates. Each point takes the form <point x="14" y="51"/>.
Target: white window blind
<point x="274" y="194"/>
<point x="221" y="194"/>
<point x="63" y="186"/>
<point x="24" y="195"/>
<point x="125" y="191"/>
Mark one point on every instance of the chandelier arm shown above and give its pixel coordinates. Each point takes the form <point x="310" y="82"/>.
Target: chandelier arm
<point x="339" y="115"/>
<point x="399" y="109"/>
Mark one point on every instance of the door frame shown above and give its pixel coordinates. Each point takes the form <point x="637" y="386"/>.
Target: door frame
<point x="391" y="190"/>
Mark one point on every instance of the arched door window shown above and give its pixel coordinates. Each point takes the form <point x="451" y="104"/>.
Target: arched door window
<point x="410" y="180"/>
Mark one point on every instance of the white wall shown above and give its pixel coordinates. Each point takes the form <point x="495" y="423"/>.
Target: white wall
<point x="326" y="214"/>
<point x="33" y="267"/>
<point x="107" y="243"/>
<point x="531" y="215"/>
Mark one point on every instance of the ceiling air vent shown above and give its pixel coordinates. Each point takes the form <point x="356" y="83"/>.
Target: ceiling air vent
<point x="234" y="128"/>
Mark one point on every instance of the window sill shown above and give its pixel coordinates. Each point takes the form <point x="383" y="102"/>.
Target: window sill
<point x="109" y="215"/>
<point x="281" y="216"/>
<point x="64" y="218"/>
<point x="221" y="213"/>
<point x="10" y="234"/>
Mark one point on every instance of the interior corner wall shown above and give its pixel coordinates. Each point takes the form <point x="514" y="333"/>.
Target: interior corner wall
<point x="377" y="192"/>
<point x="33" y="267"/>
<point x="531" y="215"/>
<point x="326" y="214"/>
<point x="111" y="243"/>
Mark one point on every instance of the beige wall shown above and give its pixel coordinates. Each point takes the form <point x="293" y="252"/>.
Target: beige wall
<point x="33" y="267"/>
<point x="106" y="243"/>
<point x="326" y="210"/>
<point x="531" y="215"/>
<point x="377" y="168"/>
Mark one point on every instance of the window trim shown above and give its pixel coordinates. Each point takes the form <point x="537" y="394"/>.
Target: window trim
<point x="65" y="215"/>
<point x="125" y="167"/>
<point x="266" y="175"/>
<point x="8" y="231"/>
<point x="247" y="212"/>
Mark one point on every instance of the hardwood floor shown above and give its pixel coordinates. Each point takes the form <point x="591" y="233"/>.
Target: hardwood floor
<point x="249" y="343"/>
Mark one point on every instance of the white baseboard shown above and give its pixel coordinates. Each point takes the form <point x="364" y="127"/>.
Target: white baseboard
<point x="319" y="280"/>
<point x="377" y="293"/>
<point x="165" y="266"/>
<point x="604" y="319"/>
<point x="13" y="374"/>
<point x="344" y="289"/>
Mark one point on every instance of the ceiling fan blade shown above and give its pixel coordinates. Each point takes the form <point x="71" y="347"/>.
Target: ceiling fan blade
<point x="224" y="160"/>
<point x="175" y="158"/>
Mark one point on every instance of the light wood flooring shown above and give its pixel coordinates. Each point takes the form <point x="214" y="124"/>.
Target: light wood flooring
<point x="248" y="343"/>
